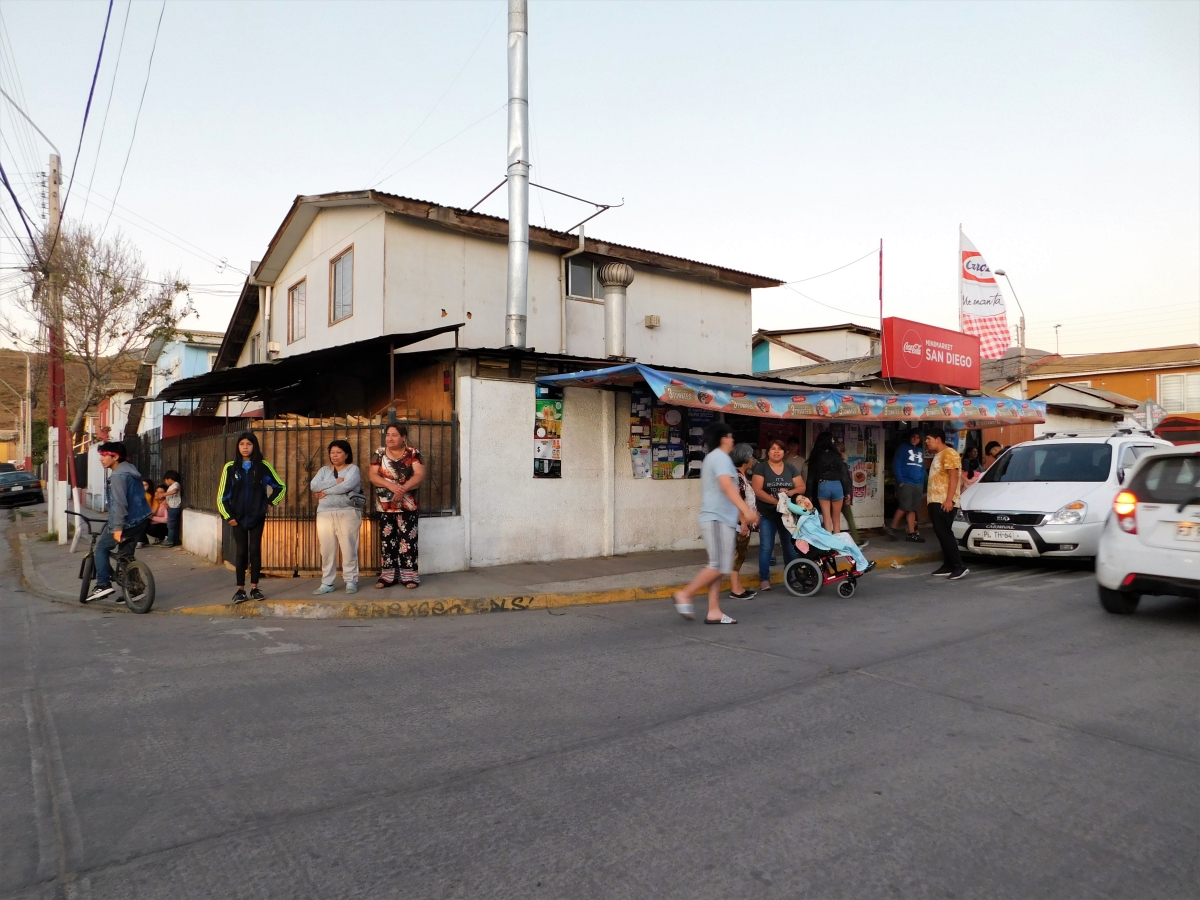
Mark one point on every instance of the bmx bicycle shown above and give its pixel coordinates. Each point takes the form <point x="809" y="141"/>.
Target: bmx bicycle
<point x="131" y="576"/>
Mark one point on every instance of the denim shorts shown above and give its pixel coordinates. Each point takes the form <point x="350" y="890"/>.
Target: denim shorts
<point x="830" y="490"/>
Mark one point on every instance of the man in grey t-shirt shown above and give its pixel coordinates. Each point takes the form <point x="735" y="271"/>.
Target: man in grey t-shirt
<point x="721" y="505"/>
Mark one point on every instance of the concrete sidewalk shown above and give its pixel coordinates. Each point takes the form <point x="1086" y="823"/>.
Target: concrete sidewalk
<point x="186" y="584"/>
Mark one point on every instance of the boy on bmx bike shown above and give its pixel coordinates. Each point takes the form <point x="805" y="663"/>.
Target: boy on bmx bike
<point x="128" y="515"/>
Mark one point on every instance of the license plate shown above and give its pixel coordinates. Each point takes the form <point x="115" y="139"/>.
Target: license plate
<point x="997" y="535"/>
<point x="1187" y="531"/>
<point x="19" y="487"/>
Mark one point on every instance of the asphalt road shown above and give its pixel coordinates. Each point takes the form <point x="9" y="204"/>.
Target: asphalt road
<point x="997" y="737"/>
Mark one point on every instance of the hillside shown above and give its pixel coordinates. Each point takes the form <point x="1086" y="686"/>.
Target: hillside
<point x="12" y="371"/>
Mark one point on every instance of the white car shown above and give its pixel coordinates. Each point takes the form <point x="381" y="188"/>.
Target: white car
<point x="1050" y="496"/>
<point x="1151" y="539"/>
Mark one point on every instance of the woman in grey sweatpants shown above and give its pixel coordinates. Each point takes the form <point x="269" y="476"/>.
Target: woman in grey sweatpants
<point x="338" y="489"/>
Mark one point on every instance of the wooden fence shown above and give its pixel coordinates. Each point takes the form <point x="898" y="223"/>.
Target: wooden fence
<point x="296" y="447"/>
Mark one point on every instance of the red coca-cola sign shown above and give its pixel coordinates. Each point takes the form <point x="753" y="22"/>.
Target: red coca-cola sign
<point x="914" y="351"/>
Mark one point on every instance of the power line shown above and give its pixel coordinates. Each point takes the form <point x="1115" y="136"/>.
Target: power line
<point x="111" y="90"/>
<point x="133" y="137"/>
<point x="848" y="312"/>
<point x="86" y="111"/>
<point x="453" y="82"/>
<point x="20" y="210"/>
<point x="873" y="252"/>
<point x="441" y="145"/>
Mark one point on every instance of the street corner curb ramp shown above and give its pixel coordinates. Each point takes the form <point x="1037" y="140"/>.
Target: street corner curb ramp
<point x="457" y="606"/>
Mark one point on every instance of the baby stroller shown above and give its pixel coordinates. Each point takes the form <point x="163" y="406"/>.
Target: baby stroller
<point x="839" y="562"/>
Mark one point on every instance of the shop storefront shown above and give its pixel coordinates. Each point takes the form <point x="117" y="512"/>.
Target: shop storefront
<point x="669" y="411"/>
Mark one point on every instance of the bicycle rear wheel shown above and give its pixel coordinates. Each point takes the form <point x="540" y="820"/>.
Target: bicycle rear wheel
<point x="138" y="586"/>
<point x="87" y="571"/>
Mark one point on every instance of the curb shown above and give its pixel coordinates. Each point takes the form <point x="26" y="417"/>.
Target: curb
<point x="33" y="581"/>
<point x="459" y="606"/>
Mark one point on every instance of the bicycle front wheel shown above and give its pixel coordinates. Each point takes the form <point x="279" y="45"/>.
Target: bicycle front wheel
<point x="138" y="587"/>
<point x="87" y="572"/>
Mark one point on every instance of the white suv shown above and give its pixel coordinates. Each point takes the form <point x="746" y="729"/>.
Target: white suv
<point x="1049" y="496"/>
<point x="1151" y="539"/>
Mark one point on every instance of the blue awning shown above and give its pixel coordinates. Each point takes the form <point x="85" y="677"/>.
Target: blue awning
<point x="751" y="397"/>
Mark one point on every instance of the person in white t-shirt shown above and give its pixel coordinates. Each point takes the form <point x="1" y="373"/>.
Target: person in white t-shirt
<point x="172" y="480"/>
<point x="722" y="512"/>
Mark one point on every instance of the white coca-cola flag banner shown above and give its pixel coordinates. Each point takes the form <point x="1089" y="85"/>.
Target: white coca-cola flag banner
<point x="981" y="309"/>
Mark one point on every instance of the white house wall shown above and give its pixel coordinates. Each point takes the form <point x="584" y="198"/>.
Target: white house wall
<point x="331" y="232"/>
<point x="782" y="358"/>
<point x="597" y="508"/>
<point x="832" y="345"/>
<point x="407" y="272"/>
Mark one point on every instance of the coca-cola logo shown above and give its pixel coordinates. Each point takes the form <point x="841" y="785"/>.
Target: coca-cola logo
<point x="912" y="348"/>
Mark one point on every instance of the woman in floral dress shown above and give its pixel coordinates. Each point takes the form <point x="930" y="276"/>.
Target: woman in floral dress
<point x="396" y="471"/>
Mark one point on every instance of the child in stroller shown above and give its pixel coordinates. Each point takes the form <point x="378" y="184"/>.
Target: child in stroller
<point x="825" y="558"/>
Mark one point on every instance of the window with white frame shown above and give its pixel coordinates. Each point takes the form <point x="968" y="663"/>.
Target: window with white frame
<point x="341" y="286"/>
<point x="296" y="317"/>
<point x="583" y="278"/>
<point x="255" y="349"/>
<point x="212" y="361"/>
<point x="1179" y="393"/>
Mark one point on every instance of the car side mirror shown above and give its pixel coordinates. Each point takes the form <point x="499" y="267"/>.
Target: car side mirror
<point x="1120" y="476"/>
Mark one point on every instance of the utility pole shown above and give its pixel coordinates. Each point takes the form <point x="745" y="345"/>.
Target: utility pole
<point x="28" y="435"/>
<point x="57" y="412"/>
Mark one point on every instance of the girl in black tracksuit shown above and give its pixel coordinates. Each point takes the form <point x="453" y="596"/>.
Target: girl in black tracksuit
<point x="248" y="484"/>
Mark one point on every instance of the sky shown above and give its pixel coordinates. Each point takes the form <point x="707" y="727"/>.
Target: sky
<point x="784" y="139"/>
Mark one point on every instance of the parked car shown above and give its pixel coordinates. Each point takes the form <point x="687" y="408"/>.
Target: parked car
<point x="1151" y="538"/>
<point x="1049" y="496"/>
<point x="7" y="467"/>
<point x="20" y="489"/>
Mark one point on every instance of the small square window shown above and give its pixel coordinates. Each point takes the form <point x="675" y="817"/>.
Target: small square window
<point x="296" y="311"/>
<point x="580" y="278"/>
<point x="341" y="285"/>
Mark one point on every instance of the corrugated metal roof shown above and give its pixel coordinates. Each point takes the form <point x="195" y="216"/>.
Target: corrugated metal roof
<point x="858" y="369"/>
<point x="1153" y="358"/>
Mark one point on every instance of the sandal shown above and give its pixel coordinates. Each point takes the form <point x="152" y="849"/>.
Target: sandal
<point x="684" y="609"/>
<point x="411" y="585"/>
<point x="724" y="620"/>
<point x="383" y="583"/>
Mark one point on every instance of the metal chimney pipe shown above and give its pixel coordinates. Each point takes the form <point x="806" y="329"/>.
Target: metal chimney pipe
<point x="518" y="174"/>
<point x="615" y="277"/>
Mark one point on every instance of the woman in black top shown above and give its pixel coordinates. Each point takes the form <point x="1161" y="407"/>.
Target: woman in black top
<point x="825" y="472"/>
<point x="770" y="478"/>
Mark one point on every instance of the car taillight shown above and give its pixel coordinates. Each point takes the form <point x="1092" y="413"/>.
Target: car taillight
<point x="1125" y="506"/>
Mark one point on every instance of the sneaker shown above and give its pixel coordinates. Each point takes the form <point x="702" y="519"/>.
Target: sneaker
<point x="323" y="589"/>
<point x="865" y="544"/>
<point x="99" y="592"/>
<point x="167" y="546"/>
<point x="915" y="538"/>
<point x="256" y="594"/>
<point x="744" y="595"/>
<point x="944" y="570"/>
<point x="240" y="596"/>
<point x="352" y="588"/>
<point x="960" y="572"/>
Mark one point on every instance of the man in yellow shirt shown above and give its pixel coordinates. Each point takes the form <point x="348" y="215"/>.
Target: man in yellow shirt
<point x="945" y="485"/>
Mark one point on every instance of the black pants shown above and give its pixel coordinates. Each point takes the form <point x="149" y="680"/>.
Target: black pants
<point x="942" y="527"/>
<point x="247" y="547"/>
<point x="156" y="530"/>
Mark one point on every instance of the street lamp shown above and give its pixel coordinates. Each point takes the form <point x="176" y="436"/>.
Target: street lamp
<point x="1021" y="373"/>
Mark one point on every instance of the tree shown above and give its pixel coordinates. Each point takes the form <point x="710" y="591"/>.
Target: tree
<point x="110" y="307"/>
